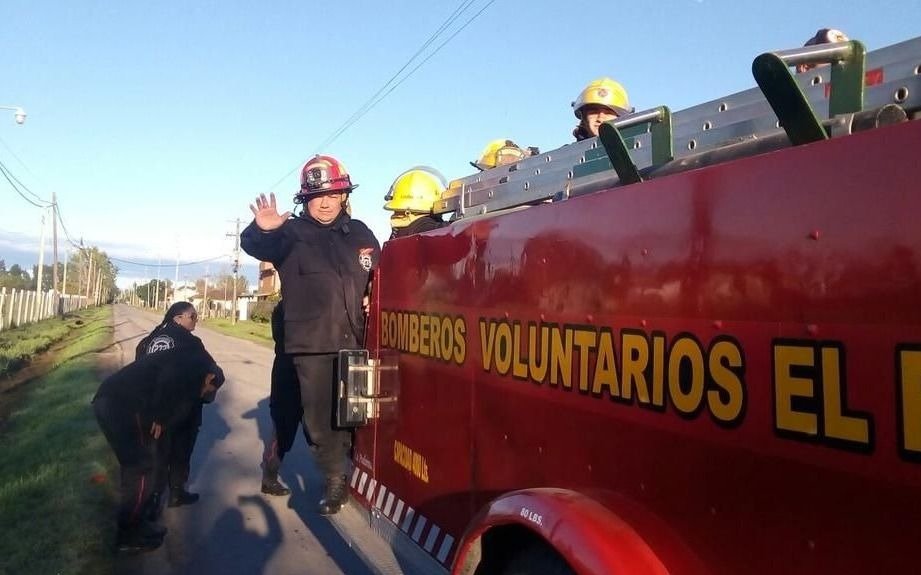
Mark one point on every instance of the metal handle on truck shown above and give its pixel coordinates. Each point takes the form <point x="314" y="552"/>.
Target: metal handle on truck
<point x="782" y="91"/>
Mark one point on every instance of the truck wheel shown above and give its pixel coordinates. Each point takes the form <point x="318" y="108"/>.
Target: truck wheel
<point x="537" y="560"/>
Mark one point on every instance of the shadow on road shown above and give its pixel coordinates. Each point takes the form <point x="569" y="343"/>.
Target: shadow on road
<point x="306" y="483"/>
<point x="238" y="542"/>
<point x="301" y="475"/>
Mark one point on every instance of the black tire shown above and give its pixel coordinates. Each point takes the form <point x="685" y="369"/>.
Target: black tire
<point x="537" y="560"/>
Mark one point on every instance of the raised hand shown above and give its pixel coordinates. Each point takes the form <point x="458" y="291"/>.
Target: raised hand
<point x="266" y="213"/>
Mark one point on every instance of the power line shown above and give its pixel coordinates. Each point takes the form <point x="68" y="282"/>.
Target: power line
<point x="70" y="240"/>
<point x="369" y="103"/>
<point x="64" y="227"/>
<point x="419" y="65"/>
<point x="124" y="261"/>
<point x="8" y="175"/>
<point x="167" y="265"/>
<point x="18" y="159"/>
<point x="427" y="58"/>
<point x="26" y="188"/>
<point x="376" y="98"/>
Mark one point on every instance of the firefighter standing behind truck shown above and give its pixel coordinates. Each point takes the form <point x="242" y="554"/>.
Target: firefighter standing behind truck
<point x="324" y="259"/>
<point x="412" y="198"/>
<point x="502" y="153"/>
<point x="602" y="100"/>
<point x="822" y="36"/>
<point x="174" y="453"/>
<point x="284" y="406"/>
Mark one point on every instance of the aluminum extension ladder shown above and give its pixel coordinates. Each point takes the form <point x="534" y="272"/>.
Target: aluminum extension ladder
<point x="787" y="109"/>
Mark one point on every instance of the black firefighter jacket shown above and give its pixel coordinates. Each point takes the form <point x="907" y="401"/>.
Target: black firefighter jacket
<point x="163" y="387"/>
<point x="423" y="224"/>
<point x="324" y="271"/>
<point x="171" y="335"/>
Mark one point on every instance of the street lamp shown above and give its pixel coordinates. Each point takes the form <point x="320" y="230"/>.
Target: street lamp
<point x="18" y="113"/>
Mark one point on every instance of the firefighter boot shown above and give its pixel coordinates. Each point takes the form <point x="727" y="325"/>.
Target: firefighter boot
<point x="154" y="507"/>
<point x="337" y="493"/>
<point x="145" y="536"/>
<point x="270" y="483"/>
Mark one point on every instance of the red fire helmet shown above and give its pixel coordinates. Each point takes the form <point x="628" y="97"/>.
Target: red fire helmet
<point x="324" y="174"/>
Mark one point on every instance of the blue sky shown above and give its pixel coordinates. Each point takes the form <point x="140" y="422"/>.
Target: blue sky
<point x="157" y="123"/>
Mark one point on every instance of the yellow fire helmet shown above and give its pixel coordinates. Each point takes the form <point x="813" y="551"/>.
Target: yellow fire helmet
<point x="499" y="153"/>
<point x="415" y="190"/>
<point x="603" y="92"/>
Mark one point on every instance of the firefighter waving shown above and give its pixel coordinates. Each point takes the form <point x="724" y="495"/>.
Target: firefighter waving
<point x="324" y="259"/>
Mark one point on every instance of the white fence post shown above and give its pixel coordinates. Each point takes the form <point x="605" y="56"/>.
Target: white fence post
<point x="22" y="298"/>
<point x="12" y="303"/>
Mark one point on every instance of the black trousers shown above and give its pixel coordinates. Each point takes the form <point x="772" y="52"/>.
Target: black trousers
<point x="316" y="375"/>
<point x="135" y="449"/>
<point x="174" y="452"/>
<point x="286" y="410"/>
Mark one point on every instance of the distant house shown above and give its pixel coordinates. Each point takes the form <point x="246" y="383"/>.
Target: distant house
<point x="183" y="292"/>
<point x="269" y="282"/>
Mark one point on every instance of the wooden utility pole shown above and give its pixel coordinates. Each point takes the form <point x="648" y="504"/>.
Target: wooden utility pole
<point x="54" y="241"/>
<point x="176" y="279"/>
<point x="157" y="296"/>
<point x="36" y="308"/>
<point x="41" y="257"/>
<point x="204" y="305"/>
<point x="236" y="269"/>
<point x="64" y="283"/>
<point x="89" y="277"/>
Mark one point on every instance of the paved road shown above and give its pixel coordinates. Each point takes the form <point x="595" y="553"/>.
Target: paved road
<point x="234" y="528"/>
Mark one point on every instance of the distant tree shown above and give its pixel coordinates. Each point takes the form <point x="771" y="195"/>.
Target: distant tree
<point x="48" y="275"/>
<point x="221" y="287"/>
<point x="16" y="278"/>
<point x="225" y="282"/>
<point x="91" y="272"/>
<point x="148" y="291"/>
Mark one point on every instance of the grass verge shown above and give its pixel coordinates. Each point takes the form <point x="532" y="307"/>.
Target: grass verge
<point x="19" y="345"/>
<point x="58" y="477"/>
<point x="259" y="332"/>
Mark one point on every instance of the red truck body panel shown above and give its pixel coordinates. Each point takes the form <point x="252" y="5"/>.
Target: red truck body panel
<point x="727" y="360"/>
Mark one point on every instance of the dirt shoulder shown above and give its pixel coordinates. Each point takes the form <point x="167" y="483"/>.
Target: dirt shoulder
<point x="43" y="363"/>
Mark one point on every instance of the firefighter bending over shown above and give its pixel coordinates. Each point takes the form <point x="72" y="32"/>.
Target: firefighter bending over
<point x="412" y="198"/>
<point x="174" y="454"/>
<point x="135" y="407"/>
<point x="324" y="259"/>
<point x="602" y="100"/>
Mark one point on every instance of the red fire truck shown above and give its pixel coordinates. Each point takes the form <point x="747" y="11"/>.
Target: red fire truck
<point x="689" y="346"/>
